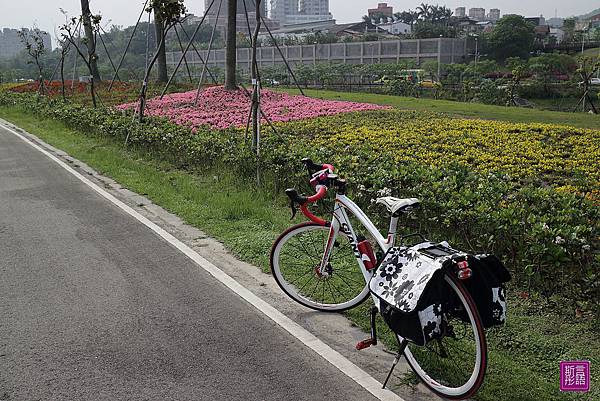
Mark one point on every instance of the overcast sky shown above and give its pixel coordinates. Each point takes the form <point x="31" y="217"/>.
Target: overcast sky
<point x="45" y="13"/>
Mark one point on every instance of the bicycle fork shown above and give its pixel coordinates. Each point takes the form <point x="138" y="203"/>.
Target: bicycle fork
<point x="340" y="225"/>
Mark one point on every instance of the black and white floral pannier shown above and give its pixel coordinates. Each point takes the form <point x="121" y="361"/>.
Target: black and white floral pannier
<point x="414" y="296"/>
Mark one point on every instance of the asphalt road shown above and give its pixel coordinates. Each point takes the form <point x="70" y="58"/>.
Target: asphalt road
<point x="95" y="306"/>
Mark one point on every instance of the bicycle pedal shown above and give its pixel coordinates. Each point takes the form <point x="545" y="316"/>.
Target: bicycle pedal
<point x="366" y="343"/>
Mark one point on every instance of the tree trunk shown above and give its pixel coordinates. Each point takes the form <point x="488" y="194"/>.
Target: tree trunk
<point x="91" y="41"/>
<point x="145" y="83"/>
<point x="231" y="56"/>
<point x="161" y="60"/>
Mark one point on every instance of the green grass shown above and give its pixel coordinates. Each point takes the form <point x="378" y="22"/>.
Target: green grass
<point x="524" y="355"/>
<point x="463" y="110"/>
<point x="592" y="52"/>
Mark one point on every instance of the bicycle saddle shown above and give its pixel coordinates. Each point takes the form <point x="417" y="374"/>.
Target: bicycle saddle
<point x="397" y="206"/>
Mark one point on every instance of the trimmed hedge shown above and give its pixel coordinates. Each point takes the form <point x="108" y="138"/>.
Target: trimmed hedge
<point x="548" y="239"/>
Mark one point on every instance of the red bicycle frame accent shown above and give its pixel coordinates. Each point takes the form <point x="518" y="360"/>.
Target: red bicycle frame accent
<point x="321" y="192"/>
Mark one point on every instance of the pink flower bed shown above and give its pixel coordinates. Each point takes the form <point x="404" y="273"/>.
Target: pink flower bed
<point x="221" y="109"/>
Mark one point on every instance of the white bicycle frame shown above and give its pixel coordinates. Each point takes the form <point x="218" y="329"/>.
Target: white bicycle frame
<point x="341" y="223"/>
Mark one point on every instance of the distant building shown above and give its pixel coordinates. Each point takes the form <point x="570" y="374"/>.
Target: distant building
<point x="382" y="9"/>
<point x="250" y="7"/>
<point x="460" y="12"/>
<point x="557" y="34"/>
<point x="583" y="26"/>
<point x="328" y="27"/>
<point x="396" y="27"/>
<point x="293" y="12"/>
<point x="242" y="25"/>
<point x="542" y="34"/>
<point x="283" y="10"/>
<point x="314" y="7"/>
<point x="595" y="21"/>
<point x="477" y="14"/>
<point x="537" y="21"/>
<point x="301" y="30"/>
<point x="484" y="26"/>
<point x="493" y="15"/>
<point x="555" y="22"/>
<point x="11" y="45"/>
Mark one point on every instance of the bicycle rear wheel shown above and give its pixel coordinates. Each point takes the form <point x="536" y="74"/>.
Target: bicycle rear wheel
<point x="295" y="260"/>
<point x="454" y="365"/>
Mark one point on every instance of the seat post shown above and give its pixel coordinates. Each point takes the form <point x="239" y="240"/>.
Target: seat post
<point x="392" y="229"/>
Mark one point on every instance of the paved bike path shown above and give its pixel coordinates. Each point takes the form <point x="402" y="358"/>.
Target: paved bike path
<point x="94" y="305"/>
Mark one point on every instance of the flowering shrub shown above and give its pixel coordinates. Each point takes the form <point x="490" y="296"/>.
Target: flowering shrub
<point x="221" y="109"/>
<point x="563" y="157"/>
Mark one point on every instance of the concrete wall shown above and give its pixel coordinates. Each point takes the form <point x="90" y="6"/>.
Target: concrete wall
<point x="445" y="50"/>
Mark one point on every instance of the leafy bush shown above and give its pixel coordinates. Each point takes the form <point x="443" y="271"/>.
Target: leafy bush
<point x="490" y="93"/>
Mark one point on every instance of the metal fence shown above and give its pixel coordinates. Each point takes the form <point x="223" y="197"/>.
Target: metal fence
<point x="444" y="50"/>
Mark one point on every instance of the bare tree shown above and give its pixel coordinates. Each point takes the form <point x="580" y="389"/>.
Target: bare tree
<point x="89" y="21"/>
<point x="65" y="47"/>
<point x="34" y="43"/>
<point x="68" y="32"/>
<point x="587" y="68"/>
<point x="230" y="55"/>
<point x="170" y="13"/>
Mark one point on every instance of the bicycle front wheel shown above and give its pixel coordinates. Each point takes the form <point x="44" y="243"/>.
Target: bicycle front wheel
<point x="295" y="260"/>
<point x="454" y="365"/>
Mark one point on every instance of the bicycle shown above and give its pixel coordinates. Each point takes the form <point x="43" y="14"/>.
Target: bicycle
<point x="327" y="266"/>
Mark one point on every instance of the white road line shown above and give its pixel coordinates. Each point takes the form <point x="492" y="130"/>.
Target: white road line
<point x="355" y="373"/>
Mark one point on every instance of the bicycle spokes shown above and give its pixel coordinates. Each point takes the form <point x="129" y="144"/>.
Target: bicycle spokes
<point x="299" y="265"/>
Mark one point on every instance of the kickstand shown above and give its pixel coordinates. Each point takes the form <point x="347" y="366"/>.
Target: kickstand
<point x="401" y="346"/>
<point x="373" y="339"/>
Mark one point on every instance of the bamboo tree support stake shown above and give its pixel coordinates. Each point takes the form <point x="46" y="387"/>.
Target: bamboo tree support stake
<point x="256" y="95"/>
<point x="187" y="67"/>
<point x="147" y="75"/>
<point x="251" y="36"/>
<point x="56" y="67"/>
<point x="262" y="113"/>
<point x="210" y="44"/>
<point x="255" y="83"/>
<point x="198" y="54"/>
<point x="78" y="29"/>
<point x="148" y="38"/>
<point x="108" y="56"/>
<point x="187" y="48"/>
<point x="112" y="81"/>
<point x="248" y="22"/>
<point x="283" y="57"/>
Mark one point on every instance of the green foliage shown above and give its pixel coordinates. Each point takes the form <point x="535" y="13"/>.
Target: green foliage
<point x="490" y="93"/>
<point x="512" y="36"/>
<point x="472" y="210"/>
<point x="33" y="41"/>
<point x="167" y="11"/>
<point x="34" y="45"/>
<point x="428" y="29"/>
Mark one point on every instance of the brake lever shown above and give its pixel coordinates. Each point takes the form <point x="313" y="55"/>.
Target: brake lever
<point x="294" y="210"/>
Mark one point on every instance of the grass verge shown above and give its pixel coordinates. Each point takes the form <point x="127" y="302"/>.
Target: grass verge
<point x="524" y="355"/>
<point x="463" y="110"/>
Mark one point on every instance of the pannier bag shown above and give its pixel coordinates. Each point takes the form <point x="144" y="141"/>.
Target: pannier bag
<point x="486" y="286"/>
<point x="414" y="296"/>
